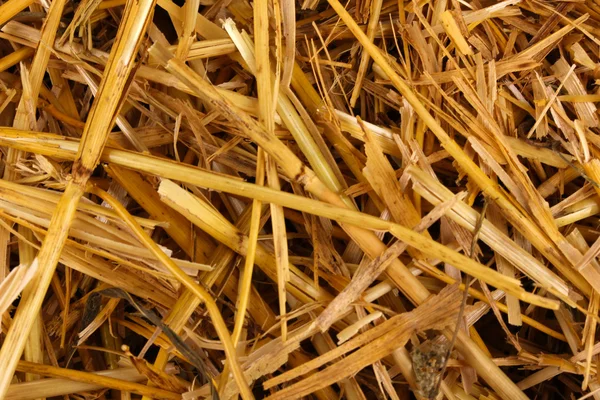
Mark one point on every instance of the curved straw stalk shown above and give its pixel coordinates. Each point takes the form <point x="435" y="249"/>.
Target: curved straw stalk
<point x="188" y="302"/>
<point x="189" y="283"/>
<point x="246" y="278"/>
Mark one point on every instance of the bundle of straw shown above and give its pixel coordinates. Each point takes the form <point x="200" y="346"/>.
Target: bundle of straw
<point x="278" y="199"/>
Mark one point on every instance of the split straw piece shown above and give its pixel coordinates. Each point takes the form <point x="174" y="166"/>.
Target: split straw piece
<point x="246" y="277"/>
<point x="267" y="89"/>
<point x="280" y="245"/>
<point x="115" y="80"/>
<point x="188" y="33"/>
<point x="365" y="57"/>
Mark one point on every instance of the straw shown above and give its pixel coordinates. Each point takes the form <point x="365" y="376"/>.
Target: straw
<point x="278" y="200"/>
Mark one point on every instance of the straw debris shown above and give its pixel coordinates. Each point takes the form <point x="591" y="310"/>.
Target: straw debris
<point x="207" y="199"/>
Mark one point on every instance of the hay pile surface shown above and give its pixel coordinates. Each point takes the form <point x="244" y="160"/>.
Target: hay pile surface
<point x="221" y="199"/>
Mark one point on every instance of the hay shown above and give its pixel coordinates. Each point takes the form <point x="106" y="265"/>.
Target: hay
<point x="279" y="200"/>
